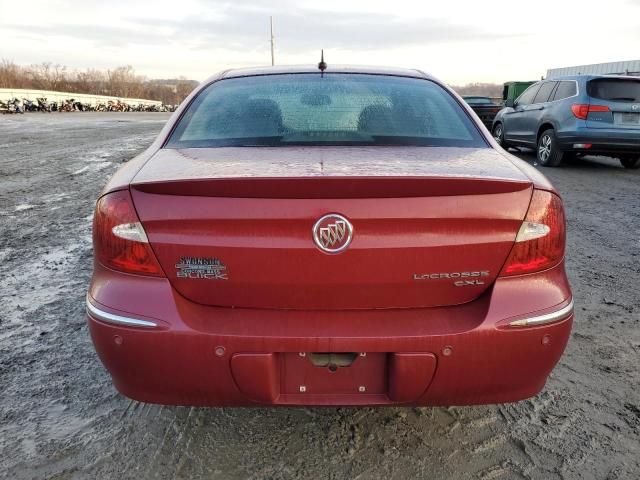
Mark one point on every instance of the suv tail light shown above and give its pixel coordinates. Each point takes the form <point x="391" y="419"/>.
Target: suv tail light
<point x="582" y="111"/>
<point x="541" y="239"/>
<point x="119" y="240"/>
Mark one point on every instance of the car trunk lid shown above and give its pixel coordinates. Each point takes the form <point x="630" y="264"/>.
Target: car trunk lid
<point x="234" y="227"/>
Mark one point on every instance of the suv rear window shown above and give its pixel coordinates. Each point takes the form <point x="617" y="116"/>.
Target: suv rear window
<point x="334" y="109"/>
<point x="615" y="89"/>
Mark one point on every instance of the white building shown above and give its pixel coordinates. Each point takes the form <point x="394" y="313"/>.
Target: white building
<point x="630" y="67"/>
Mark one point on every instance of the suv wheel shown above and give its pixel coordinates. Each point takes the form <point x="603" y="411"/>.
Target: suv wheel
<point x="498" y="135"/>
<point x="548" y="153"/>
<point x="630" y="162"/>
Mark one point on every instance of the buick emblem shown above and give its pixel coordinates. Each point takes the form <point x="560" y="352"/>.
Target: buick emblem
<point x="636" y="107"/>
<point x="332" y="233"/>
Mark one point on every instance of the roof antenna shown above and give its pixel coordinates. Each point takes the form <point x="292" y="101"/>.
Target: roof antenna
<point x="322" y="65"/>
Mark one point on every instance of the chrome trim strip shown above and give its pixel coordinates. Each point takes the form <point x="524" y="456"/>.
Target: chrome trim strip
<point x="546" y="318"/>
<point x="117" y="319"/>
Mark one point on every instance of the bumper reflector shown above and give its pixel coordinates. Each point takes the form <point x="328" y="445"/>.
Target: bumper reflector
<point x="561" y="314"/>
<point x="117" y="319"/>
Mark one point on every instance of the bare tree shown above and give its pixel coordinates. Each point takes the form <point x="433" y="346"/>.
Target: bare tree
<point x="91" y="81"/>
<point x="10" y="75"/>
<point x="48" y="76"/>
<point x="183" y="88"/>
<point x="120" y="82"/>
<point x="481" y="89"/>
<point x="123" y="81"/>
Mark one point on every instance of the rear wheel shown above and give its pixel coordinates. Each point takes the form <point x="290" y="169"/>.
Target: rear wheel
<point x="548" y="153"/>
<point x="630" y="162"/>
<point x="498" y="135"/>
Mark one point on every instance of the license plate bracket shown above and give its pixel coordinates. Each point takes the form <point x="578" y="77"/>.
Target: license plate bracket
<point x="366" y="374"/>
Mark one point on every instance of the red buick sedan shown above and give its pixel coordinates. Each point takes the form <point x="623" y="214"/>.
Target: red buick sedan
<point x="347" y="237"/>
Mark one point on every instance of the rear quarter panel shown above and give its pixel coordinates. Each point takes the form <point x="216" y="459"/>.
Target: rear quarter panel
<point x="564" y="120"/>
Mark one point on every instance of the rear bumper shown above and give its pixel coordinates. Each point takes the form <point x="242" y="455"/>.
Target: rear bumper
<point x="188" y="354"/>
<point x="603" y="140"/>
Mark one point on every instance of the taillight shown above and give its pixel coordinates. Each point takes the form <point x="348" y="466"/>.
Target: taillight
<point x="541" y="239"/>
<point x="119" y="240"/>
<point x="582" y="111"/>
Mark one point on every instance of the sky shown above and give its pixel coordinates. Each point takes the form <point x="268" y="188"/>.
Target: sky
<point x="459" y="41"/>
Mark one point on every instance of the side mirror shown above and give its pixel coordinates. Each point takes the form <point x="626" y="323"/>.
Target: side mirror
<point x="510" y="103"/>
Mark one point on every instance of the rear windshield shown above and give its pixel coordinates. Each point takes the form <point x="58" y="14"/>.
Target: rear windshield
<point x="614" y="89"/>
<point x="334" y="109"/>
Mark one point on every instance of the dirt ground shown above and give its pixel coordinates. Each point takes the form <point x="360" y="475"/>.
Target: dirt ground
<point x="61" y="418"/>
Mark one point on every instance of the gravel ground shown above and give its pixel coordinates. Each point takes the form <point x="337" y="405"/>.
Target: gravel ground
<point x="61" y="418"/>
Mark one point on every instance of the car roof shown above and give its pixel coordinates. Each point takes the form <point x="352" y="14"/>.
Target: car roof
<point x="361" y="69"/>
